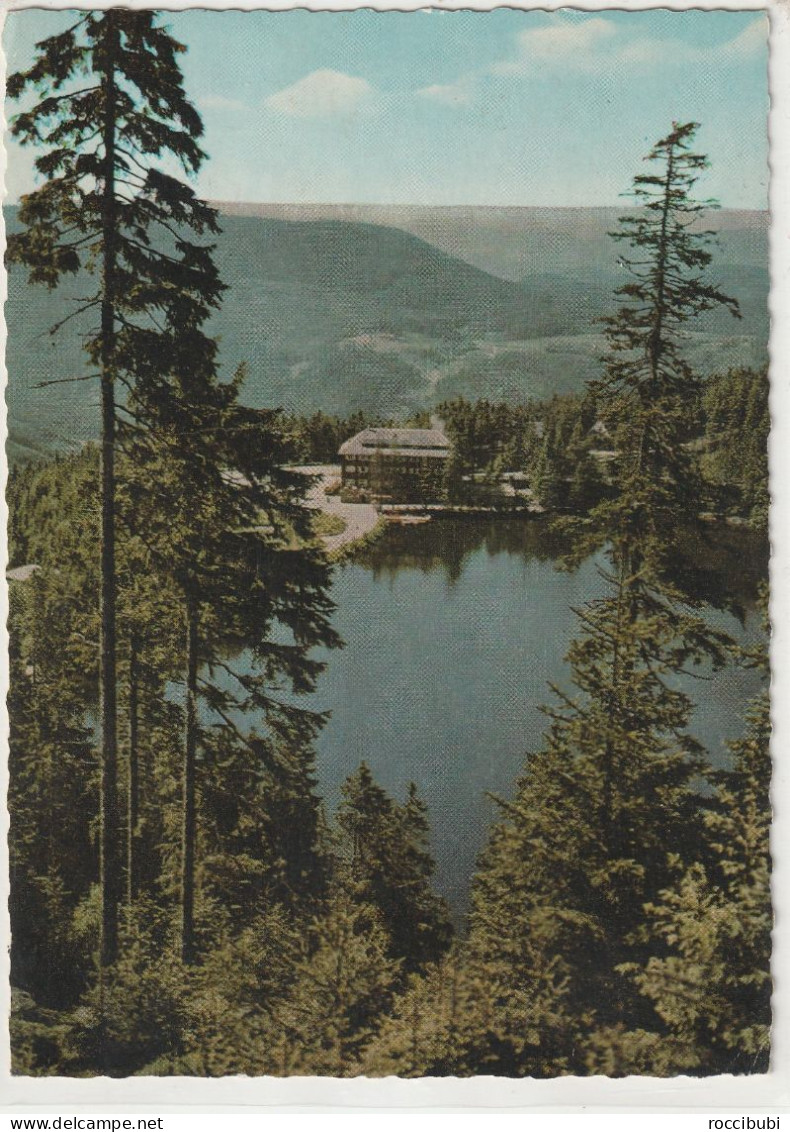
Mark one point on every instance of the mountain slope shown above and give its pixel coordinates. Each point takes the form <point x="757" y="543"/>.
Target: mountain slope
<point x="339" y="314"/>
<point x="514" y="243"/>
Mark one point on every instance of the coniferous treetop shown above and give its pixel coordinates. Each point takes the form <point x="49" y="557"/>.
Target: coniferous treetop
<point x="120" y="65"/>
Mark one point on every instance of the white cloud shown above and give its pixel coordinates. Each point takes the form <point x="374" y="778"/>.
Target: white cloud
<point x="672" y="52"/>
<point x="322" y="94"/>
<point x="751" y="41"/>
<point x="220" y="102"/>
<point x="557" y="44"/>
<point x="595" y="44"/>
<point x="450" y="94"/>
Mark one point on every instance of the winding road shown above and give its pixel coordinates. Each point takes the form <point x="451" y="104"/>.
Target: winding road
<point x="360" y="518"/>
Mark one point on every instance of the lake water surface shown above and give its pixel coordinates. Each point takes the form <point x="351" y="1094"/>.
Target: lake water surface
<point x="453" y="630"/>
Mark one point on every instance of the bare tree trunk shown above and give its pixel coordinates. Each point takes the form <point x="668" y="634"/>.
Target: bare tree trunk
<point x="189" y="814"/>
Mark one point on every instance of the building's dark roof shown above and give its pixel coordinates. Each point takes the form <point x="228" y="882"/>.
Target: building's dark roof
<point x="397" y="442"/>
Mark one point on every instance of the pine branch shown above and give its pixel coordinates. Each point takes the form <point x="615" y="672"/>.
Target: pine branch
<point x="66" y="380"/>
<point x="73" y="314"/>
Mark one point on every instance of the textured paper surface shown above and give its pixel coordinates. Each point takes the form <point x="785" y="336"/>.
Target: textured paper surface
<point x="301" y="111"/>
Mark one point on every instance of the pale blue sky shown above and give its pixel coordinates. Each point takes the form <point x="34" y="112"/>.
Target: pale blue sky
<point x="502" y="107"/>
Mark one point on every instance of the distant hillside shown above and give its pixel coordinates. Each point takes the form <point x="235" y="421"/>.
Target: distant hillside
<point x="390" y="310"/>
<point x="514" y="243"/>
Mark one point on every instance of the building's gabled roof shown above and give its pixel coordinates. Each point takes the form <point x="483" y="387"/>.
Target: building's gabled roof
<point x="397" y="442"/>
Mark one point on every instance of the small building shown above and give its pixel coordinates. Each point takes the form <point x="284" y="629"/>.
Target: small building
<point x="401" y="465"/>
<point x="22" y="573"/>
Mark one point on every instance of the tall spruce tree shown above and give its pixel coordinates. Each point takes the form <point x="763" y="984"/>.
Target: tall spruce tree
<point x="109" y="104"/>
<point x="227" y="531"/>
<point x="599" y="812"/>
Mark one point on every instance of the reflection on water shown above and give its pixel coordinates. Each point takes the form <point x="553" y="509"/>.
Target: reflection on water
<point x="447" y="544"/>
<point x="453" y="630"/>
<point x="714" y="563"/>
<point x="722" y="566"/>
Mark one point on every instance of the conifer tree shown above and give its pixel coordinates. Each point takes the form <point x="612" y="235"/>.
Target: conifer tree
<point x="465" y="1016"/>
<point x="585" y="845"/>
<point x="432" y="1024"/>
<point x="710" y="976"/>
<point x="342" y="988"/>
<point x="547" y="483"/>
<point x="391" y="868"/>
<point x="228" y="532"/>
<point x="110" y="104"/>
<point x="737" y="421"/>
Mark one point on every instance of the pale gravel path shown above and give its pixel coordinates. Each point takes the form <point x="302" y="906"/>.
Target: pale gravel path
<point x="360" y="518"/>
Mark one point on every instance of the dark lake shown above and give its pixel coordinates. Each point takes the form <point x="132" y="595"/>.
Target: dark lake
<point x="452" y="631"/>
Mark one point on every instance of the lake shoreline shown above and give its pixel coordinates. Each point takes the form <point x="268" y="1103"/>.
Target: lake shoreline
<point x="454" y="630"/>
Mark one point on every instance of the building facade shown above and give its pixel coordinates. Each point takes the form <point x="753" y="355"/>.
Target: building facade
<point x="396" y="465"/>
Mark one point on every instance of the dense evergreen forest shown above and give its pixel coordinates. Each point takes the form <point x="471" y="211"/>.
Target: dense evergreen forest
<point x="182" y="902"/>
<point x="563" y="450"/>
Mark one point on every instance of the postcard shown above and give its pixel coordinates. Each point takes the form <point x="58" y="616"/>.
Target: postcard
<point x="388" y="544"/>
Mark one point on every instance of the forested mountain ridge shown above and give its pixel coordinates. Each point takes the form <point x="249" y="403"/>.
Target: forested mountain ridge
<point x="341" y="308"/>
<point x="515" y="242"/>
